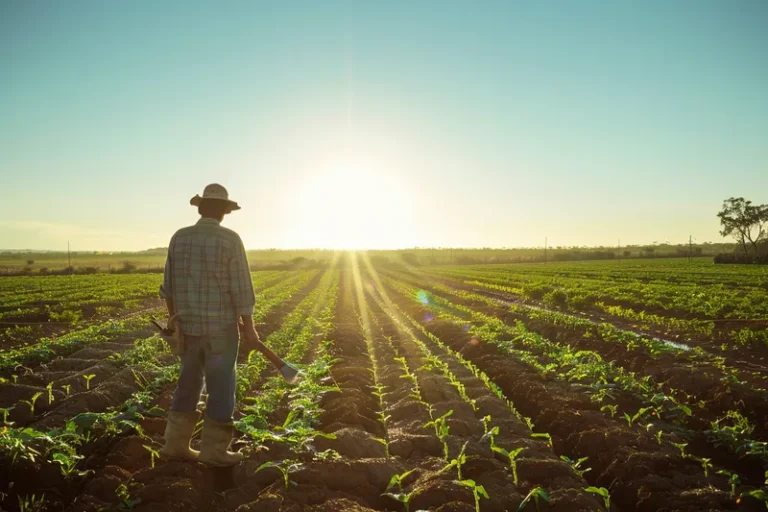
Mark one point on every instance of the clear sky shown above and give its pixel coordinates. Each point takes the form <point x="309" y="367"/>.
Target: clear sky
<point x="387" y="124"/>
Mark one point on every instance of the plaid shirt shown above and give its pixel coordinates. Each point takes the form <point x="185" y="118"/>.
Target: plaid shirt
<point x="207" y="276"/>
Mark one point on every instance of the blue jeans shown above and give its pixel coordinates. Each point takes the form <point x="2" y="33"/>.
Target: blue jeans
<point x="213" y="357"/>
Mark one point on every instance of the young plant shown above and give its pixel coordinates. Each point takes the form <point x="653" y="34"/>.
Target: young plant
<point x="603" y="493"/>
<point x="546" y="436"/>
<point x="681" y="447"/>
<point x="706" y="465"/>
<point x="631" y="420"/>
<point x="49" y="388"/>
<point x="459" y="461"/>
<point x="32" y="503"/>
<point x="126" y="501"/>
<point x="441" y="430"/>
<point x="613" y="409"/>
<point x="477" y="490"/>
<point x="659" y="433"/>
<point x="67" y="460"/>
<point x="576" y="464"/>
<point x="67" y="388"/>
<point x="286" y="467"/>
<point x="153" y="454"/>
<point x="401" y="496"/>
<point x="758" y="494"/>
<point x="512" y="457"/>
<point x="31" y="402"/>
<point x="5" y="411"/>
<point x="385" y="443"/>
<point x="537" y="494"/>
<point x="88" y="379"/>
<point x="733" y="479"/>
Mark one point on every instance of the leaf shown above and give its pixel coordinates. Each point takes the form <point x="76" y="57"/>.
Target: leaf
<point x="399" y="496"/>
<point x="268" y="464"/>
<point x="602" y="491"/>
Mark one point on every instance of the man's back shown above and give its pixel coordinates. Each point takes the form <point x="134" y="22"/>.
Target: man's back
<point x="207" y="276"/>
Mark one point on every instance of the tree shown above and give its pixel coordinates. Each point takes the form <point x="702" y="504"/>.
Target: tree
<point x="747" y="223"/>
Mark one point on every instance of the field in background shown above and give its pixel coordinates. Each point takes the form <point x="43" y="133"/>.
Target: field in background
<point x="153" y="260"/>
<point x="613" y="385"/>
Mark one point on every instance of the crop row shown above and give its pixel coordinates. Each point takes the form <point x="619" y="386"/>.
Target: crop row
<point x="669" y="299"/>
<point x="520" y="372"/>
<point x="611" y="388"/>
<point x="118" y="402"/>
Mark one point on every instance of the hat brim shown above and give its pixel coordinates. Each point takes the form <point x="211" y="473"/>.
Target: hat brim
<point x="197" y="201"/>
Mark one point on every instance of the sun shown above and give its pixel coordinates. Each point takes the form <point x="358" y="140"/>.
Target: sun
<point x="351" y="207"/>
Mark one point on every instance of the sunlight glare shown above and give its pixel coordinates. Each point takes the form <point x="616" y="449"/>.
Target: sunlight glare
<point x="351" y="207"/>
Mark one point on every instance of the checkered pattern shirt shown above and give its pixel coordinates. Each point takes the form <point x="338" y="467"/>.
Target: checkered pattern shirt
<point x="207" y="276"/>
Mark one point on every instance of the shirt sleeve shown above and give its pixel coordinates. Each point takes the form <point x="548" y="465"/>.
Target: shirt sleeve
<point x="243" y="297"/>
<point x="166" y="288"/>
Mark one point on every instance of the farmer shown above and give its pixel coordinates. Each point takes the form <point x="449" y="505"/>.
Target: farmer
<point x="207" y="287"/>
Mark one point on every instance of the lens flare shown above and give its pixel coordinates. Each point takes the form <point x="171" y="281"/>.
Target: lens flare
<point x="423" y="297"/>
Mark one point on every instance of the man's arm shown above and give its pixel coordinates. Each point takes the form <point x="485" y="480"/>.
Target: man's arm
<point x="241" y="284"/>
<point x="166" y="288"/>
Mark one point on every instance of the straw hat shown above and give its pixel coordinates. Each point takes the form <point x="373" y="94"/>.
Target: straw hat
<point x="217" y="192"/>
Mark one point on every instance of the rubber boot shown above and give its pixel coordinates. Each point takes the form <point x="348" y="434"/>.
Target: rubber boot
<point x="178" y="432"/>
<point x="217" y="437"/>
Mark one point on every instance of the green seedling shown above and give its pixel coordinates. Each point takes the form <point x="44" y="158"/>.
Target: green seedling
<point x="528" y="422"/>
<point x="286" y="467"/>
<point x="733" y="479"/>
<point x="401" y="496"/>
<point x="658" y="436"/>
<point x="576" y="464"/>
<point x="443" y="433"/>
<point x="385" y="443"/>
<point x="681" y="447"/>
<point x="459" y="461"/>
<point x="477" y="490"/>
<point x="546" y="436"/>
<point x="631" y="420"/>
<point x="67" y="388"/>
<point x="126" y="502"/>
<point x="16" y="381"/>
<point x="49" y="388"/>
<point x="613" y="409"/>
<point x="5" y="411"/>
<point x="31" y="402"/>
<point x="435" y="423"/>
<point x="603" y="493"/>
<point x="67" y="461"/>
<point x="536" y="495"/>
<point x="32" y="503"/>
<point x="88" y="379"/>
<point x="706" y="465"/>
<point x="153" y="455"/>
<point x="758" y="494"/>
<point x="326" y="455"/>
<point x="512" y="457"/>
<point x="384" y="418"/>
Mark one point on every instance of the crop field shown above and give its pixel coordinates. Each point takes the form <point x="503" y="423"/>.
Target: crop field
<point x="621" y="385"/>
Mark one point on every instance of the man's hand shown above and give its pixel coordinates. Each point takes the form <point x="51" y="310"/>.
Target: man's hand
<point x="248" y="333"/>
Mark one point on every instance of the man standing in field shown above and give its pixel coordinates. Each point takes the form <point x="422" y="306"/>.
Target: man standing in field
<point x="208" y="289"/>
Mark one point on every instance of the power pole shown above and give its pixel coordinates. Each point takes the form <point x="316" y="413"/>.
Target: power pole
<point x="690" y="247"/>
<point x="545" y="249"/>
<point x="69" y="256"/>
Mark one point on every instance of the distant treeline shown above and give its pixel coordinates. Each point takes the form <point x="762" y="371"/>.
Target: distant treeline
<point x="49" y="263"/>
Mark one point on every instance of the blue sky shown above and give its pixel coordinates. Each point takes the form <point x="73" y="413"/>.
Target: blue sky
<point x="361" y="124"/>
